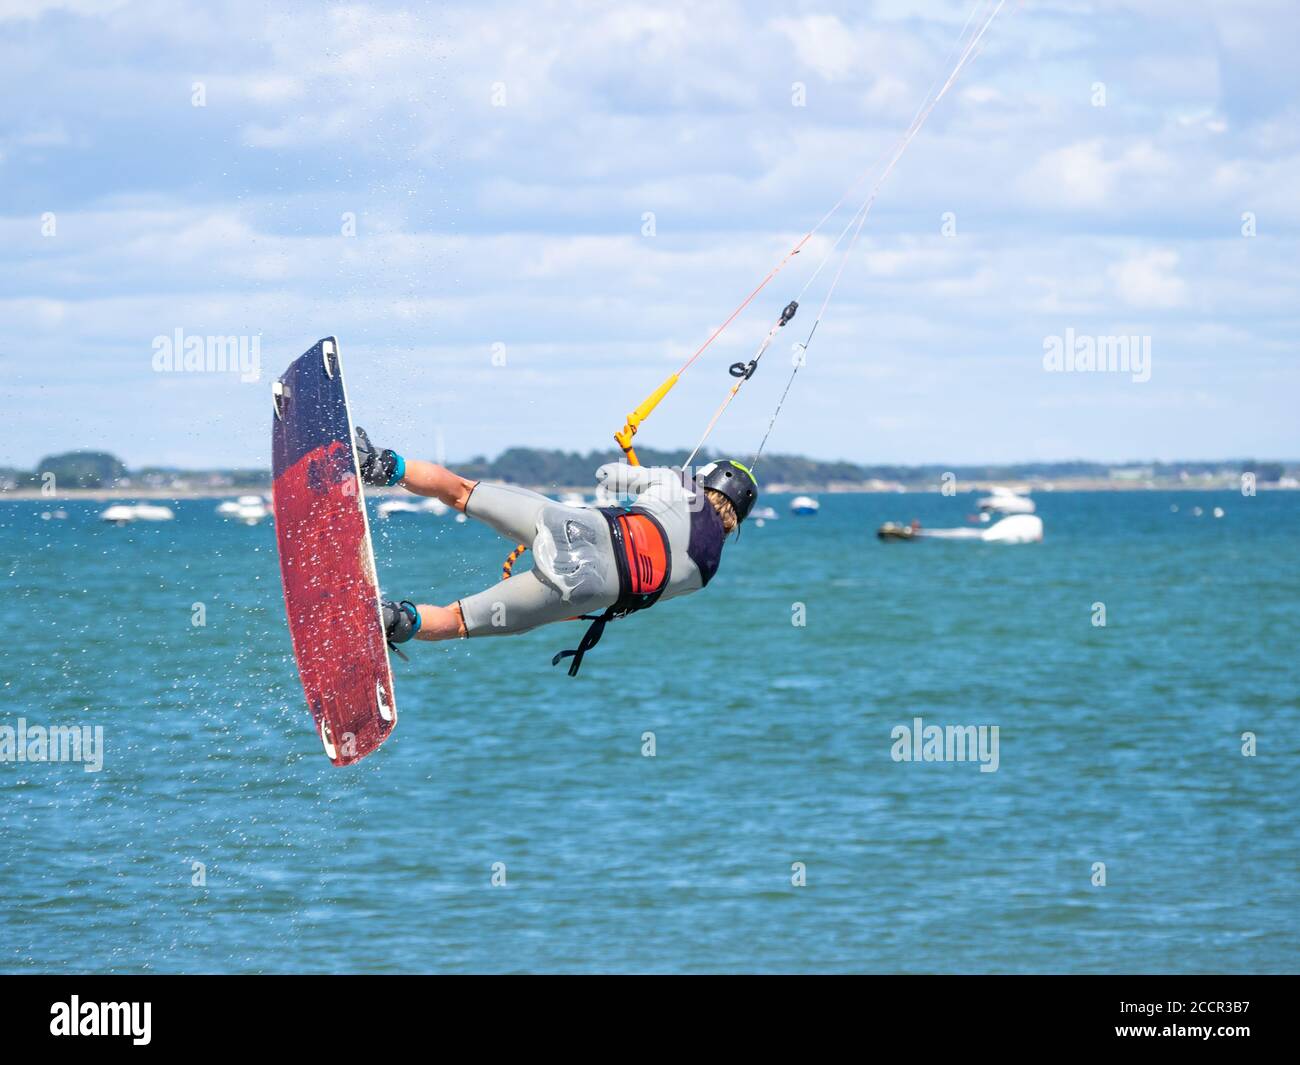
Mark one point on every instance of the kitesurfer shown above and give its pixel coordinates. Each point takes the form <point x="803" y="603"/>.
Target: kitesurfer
<point x="595" y="563"/>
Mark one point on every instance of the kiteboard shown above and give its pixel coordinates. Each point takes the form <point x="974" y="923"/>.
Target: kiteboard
<point x="327" y="562"/>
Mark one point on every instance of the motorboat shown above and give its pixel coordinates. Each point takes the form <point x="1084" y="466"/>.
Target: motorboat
<point x="389" y="507"/>
<point x="124" y="513"/>
<point x="1006" y="501"/>
<point x="248" y="509"/>
<point x="1013" y="529"/>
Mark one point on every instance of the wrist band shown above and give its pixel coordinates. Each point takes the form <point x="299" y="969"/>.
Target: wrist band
<point x="399" y="469"/>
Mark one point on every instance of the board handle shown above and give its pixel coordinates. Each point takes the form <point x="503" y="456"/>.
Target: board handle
<point x="280" y="392"/>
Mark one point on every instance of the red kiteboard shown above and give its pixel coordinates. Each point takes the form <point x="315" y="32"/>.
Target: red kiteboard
<point x="326" y="560"/>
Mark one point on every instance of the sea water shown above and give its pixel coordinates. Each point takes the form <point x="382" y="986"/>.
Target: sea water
<point x="720" y="788"/>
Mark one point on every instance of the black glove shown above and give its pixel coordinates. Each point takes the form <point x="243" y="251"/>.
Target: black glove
<point x="378" y="468"/>
<point x="401" y="621"/>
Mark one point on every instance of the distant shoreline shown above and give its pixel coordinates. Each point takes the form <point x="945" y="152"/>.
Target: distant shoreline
<point x="101" y="475"/>
<point x="962" y="488"/>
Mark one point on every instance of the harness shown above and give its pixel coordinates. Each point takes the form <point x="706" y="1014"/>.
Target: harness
<point x="644" y="565"/>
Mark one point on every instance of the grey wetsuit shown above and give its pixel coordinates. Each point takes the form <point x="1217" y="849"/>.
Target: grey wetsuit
<point x="574" y="570"/>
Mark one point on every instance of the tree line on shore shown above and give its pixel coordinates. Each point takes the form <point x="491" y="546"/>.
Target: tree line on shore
<point x="554" y="468"/>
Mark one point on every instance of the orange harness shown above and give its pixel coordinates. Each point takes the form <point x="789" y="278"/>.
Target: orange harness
<point x="645" y="554"/>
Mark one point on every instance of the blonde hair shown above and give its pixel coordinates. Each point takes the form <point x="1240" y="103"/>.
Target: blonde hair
<point x="724" y="508"/>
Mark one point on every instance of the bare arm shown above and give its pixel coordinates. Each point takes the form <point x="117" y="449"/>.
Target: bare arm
<point x="430" y="479"/>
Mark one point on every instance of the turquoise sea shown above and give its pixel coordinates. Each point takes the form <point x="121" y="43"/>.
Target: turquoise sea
<point x="1119" y="745"/>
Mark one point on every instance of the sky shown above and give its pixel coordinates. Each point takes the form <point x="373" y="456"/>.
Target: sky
<point x="518" y="218"/>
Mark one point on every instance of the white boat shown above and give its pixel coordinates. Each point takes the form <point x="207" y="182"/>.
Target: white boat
<point x="153" y="512"/>
<point x="389" y="507"/>
<point x="764" y="513"/>
<point x="248" y="509"/>
<point x="1015" y="529"/>
<point x="123" y="513"/>
<point x="804" y="505"/>
<point x="1005" y="501"/>
<point x="573" y="499"/>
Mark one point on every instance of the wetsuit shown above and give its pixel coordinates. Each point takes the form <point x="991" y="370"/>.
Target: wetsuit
<point x="667" y="542"/>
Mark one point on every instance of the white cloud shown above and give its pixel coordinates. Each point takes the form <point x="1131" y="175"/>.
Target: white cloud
<point x="1086" y="175"/>
<point x="983" y="94"/>
<point x="1148" y="281"/>
<point x="32" y="10"/>
<point x="823" y="43"/>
